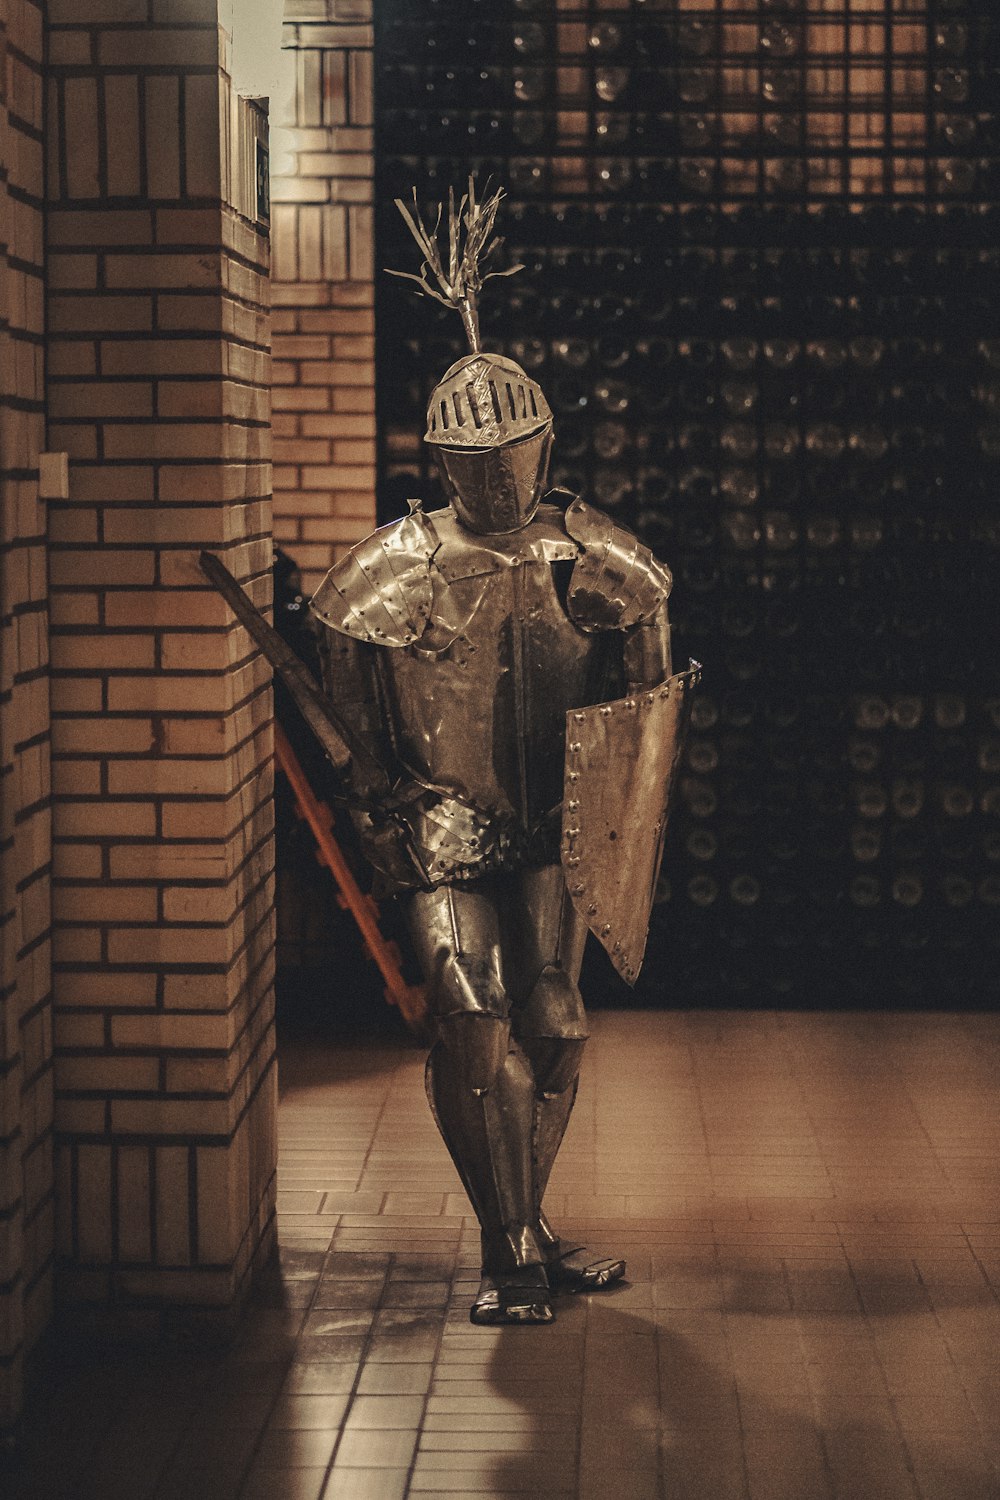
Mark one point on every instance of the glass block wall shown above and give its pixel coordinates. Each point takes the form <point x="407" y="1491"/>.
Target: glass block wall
<point x="760" y="249"/>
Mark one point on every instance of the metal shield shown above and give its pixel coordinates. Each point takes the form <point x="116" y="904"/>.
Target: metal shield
<point x="620" y="764"/>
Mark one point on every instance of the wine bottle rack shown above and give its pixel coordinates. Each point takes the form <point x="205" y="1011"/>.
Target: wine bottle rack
<point x="761" y="247"/>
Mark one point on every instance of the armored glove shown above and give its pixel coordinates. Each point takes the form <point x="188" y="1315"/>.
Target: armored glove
<point x="429" y="833"/>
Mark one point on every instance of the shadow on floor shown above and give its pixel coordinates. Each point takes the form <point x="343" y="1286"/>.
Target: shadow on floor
<point x="649" y="1413"/>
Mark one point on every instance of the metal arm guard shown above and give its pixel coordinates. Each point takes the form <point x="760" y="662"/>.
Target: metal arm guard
<point x="647" y="657"/>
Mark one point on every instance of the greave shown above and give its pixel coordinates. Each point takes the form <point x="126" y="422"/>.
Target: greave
<point x="489" y="1138"/>
<point x="551" y="1119"/>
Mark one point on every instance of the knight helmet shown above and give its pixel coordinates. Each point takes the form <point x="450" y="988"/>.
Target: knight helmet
<point x="488" y="424"/>
<point x="490" y="429"/>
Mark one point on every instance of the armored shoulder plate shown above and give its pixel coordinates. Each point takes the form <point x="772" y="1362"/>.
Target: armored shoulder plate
<point x="382" y="590"/>
<point x="617" y="582"/>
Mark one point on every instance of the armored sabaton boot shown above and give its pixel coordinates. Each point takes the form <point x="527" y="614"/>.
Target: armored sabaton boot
<point x="481" y="1093"/>
<point x="551" y="1029"/>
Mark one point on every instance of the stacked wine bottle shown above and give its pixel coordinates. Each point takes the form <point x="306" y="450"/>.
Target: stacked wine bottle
<point x="761" y="262"/>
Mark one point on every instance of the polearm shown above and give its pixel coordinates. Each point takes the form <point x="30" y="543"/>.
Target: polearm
<point x="342" y="746"/>
<point x="411" y="999"/>
<point x="336" y="736"/>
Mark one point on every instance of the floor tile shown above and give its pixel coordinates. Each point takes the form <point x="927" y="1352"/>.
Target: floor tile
<point x="810" y="1212"/>
<point x="266" y="1483"/>
<point x="294" y="1448"/>
<point x="399" y="1380"/>
<point x="365" y="1484"/>
<point x="368" y="1448"/>
<point x="305" y="1413"/>
<point x="385" y="1411"/>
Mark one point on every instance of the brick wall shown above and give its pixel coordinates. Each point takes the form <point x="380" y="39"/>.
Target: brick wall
<point x="25" y="810"/>
<point x="324" y="378"/>
<point x="158" y="389"/>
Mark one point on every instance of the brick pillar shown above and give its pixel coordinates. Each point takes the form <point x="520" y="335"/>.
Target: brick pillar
<point x="158" y="390"/>
<point x="25" y="804"/>
<point x="324" y="373"/>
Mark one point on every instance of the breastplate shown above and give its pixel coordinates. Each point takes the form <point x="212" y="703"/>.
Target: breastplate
<point x="478" y="704"/>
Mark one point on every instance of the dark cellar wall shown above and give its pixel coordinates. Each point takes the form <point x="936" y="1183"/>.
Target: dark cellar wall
<point x="759" y="288"/>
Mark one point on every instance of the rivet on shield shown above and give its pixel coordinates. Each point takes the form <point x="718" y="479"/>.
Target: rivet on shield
<point x="592" y="909"/>
<point x="579" y="890"/>
<point x="605" y="713"/>
<point x="572" y="806"/>
<point x="605" y="929"/>
<point x="630" y="703"/>
<point x="573" y="861"/>
<point x="574" y="748"/>
<point x="579" y="718"/>
<point x="574" y="776"/>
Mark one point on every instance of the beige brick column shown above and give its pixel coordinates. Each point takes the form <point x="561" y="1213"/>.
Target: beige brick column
<point x="25" y="804"/>
<point x="158" y="389"/>
<point x="324" y="321"/>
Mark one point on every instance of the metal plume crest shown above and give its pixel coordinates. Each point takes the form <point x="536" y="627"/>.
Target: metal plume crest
<point x="471" y="242"/>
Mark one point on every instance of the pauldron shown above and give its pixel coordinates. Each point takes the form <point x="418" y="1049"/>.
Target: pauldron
<point x="390" y="587"/>
<point x="382" y="590"/>
<point x="617" y="582"/>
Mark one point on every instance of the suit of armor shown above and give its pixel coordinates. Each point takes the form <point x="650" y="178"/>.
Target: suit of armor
<point x="457" y="644"/>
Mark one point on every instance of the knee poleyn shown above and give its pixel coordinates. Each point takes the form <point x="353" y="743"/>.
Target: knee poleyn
<point x="552" y="1029"/>
<point x="476" y="1046"/>
<point x="555" y="1062"/>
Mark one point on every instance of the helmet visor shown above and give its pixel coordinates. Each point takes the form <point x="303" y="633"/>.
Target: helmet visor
<point x="497" y="489"/>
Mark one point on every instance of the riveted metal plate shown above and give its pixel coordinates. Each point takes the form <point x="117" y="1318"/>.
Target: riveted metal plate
<point x="617" y="582"/>
<point x="620" y="761"/>
<point x="544" y="541"/>
<point x="382" y="590"/>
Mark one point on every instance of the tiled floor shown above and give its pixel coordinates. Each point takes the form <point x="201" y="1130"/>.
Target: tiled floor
<point x="811" y="1209"/>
